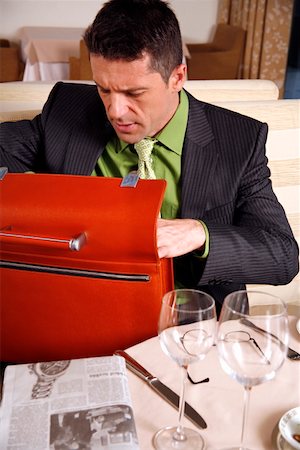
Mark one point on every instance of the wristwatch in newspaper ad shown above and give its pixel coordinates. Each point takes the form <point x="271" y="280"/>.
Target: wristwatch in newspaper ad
<point x="47" y="373"/>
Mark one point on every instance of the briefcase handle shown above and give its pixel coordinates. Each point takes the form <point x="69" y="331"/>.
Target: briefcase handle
<point x="74" y="244"/>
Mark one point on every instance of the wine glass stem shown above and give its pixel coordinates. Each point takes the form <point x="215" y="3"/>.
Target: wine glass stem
<point x="247" y="390"/>
<point x="179" y="435"/>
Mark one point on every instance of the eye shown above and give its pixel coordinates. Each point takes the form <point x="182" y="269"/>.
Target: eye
<point x="103" y="91"/>
<point x="135" y="94"/>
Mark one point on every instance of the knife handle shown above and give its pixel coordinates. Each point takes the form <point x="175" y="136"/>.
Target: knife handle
<point x="135" y="366"/>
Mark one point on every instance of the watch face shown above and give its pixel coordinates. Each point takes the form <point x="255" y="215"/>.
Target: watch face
<point x="51" y="368"/>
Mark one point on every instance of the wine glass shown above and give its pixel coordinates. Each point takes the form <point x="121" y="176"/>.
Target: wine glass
<point x="186" y="330"/>
<point x="252" y="341"/>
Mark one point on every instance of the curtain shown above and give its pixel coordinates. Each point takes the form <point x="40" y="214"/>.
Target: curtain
<point x="268" y="27"/>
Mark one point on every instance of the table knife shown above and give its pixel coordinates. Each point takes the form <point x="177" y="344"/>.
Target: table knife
<point x="164" y="391"/>
<point x="291" y="354"/>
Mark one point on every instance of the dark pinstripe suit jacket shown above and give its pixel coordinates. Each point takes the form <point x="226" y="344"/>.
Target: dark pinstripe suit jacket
<point x="225" y="182"/>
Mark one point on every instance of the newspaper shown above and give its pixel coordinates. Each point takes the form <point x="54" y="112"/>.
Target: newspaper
<point x="79" y="404"/>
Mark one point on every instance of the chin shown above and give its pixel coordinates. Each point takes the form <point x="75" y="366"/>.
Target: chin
<point x="130" y="139"/>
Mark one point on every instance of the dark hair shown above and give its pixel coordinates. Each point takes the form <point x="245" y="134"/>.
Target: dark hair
<point x="127" y="29"/>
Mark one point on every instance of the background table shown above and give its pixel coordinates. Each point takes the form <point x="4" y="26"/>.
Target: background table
<point x="46" y="51"/>
<point x="220" y="401"/>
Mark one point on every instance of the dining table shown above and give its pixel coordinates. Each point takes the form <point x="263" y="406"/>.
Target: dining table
<point x="219" y="401"/>
<point x="46" y="51"/>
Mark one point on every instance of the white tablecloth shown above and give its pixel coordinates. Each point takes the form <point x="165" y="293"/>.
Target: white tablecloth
<point x="220" y="401"/>
<point x="41" y="71"/>
<point x="46" y="51"/>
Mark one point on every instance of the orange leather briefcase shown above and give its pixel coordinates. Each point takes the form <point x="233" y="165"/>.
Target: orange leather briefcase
<point x="80" y="273"/>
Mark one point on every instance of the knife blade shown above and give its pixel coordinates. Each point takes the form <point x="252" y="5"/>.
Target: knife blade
<point x="164" y="391"/>
<point x="291" y="354"/>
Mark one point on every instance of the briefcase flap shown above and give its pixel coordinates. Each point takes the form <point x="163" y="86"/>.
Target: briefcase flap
<point x="79" y="268"/>
<point x="78" y="221"/>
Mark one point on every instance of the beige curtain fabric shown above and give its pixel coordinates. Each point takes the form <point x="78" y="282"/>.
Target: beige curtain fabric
<point x="268" y="26"/>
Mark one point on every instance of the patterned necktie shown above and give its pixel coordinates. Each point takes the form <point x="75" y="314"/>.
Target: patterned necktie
<point x="144" y="149"/>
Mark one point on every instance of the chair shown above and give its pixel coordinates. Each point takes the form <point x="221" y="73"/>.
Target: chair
<point x="232" y="90"/>
<point x="219" y="59"/>
<point x="4" y="43"/>
<point x="24" y="99"/>
<point x="80" y="68"/>
<point x="19" y="98"/>
<point x="11" y="65"/>
<point x="13" y="116"/>
<point x="282" y="149"/>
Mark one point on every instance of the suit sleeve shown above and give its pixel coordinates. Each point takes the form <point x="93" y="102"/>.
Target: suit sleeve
<point x="258" y="245"/>
<point x="21" y="144"/>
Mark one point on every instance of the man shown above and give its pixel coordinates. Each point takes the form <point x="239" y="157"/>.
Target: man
<point x="220" y="219"/>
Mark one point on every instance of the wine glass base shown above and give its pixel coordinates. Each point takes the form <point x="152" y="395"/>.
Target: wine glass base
<point x="164" y="440"/>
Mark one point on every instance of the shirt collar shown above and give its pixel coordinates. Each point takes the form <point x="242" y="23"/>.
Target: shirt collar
<point x="172" y="135"/>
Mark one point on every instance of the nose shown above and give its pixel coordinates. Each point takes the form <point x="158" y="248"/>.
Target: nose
<point x="117" y="106"/>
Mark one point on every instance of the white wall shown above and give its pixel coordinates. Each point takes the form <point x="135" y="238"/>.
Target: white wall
<point x="196" y="17"/>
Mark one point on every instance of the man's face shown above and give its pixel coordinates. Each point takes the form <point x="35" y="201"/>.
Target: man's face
<point x="137" y="101"/>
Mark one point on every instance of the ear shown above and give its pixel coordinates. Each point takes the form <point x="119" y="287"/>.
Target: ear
<point x="178" y="77"/>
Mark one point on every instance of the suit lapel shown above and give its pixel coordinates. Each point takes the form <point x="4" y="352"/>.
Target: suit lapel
<point x="199" y="159"/>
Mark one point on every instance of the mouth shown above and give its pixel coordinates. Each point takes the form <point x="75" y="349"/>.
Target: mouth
<point x="121" y="127"/>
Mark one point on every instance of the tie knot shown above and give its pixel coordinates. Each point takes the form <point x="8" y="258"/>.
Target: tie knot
<point x="144" y="148"/>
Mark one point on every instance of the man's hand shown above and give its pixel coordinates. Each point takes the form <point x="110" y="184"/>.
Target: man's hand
<point x="179" y="236"/>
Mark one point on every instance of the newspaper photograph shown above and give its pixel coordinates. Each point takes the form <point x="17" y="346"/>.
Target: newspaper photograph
<point x="79" y="404"/>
